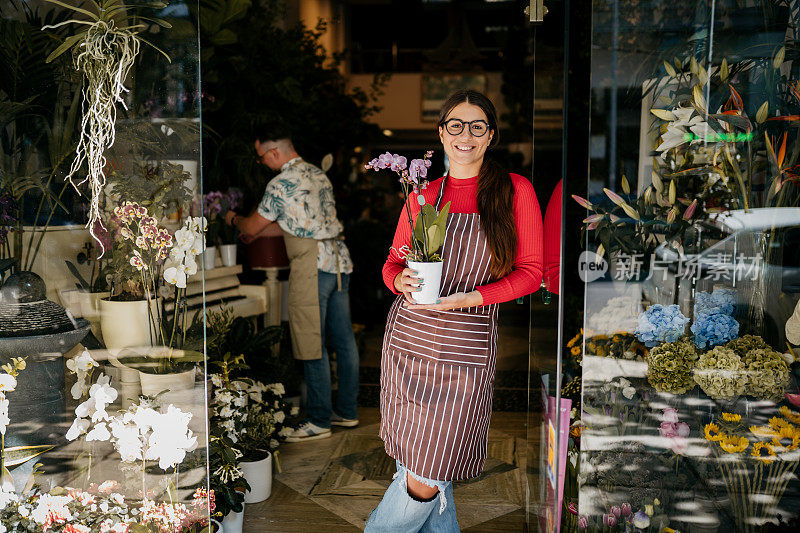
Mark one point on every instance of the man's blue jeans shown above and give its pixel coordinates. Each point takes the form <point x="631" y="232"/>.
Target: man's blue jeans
<point x="398" y="512"/>
<point x="337" y="331"/>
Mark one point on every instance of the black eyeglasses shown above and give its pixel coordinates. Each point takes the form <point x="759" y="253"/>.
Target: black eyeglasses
<point x="477" y="128"/>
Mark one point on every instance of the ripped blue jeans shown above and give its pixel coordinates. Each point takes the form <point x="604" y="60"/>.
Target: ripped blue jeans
<point x="398" y="512"/>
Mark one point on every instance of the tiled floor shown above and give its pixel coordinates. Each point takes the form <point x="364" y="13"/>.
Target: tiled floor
<point x="332" y="485"/>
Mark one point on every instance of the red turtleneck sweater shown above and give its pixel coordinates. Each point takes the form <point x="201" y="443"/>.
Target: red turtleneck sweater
<point x="526" y="275"/>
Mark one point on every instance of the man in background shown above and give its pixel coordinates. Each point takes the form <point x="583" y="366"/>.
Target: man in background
<point x="299" y="204"/>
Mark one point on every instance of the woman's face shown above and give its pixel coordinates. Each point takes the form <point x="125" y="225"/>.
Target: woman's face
<point x="465" y="148"/>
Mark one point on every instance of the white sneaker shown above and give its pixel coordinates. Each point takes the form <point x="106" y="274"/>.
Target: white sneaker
<point x="337" y="420"/>
<point x="308" y="431"/>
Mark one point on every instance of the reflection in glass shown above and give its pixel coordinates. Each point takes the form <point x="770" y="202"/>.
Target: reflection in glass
<point x="689" y="414"/>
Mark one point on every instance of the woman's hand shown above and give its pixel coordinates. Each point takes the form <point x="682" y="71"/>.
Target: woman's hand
<point x="454" y="301"/>
<point x="407" y="283"/>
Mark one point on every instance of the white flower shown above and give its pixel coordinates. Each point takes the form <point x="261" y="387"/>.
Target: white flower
<point x="52" y="509"/>
<point x="82" y="363"/>
<point x="7" y="383"/>
<point x="628" y="392"/>
<point x="79" y="389"/>
<point x="4" y="419"/>
<point x="85" y="409"/>
<point x="102" y="393"/>
<point x="79" y="427"/>
<point x="175" y="276"/>
<point x="184" y="238"/>
<point x="190" y="266"/>
<point x="198" y="224"/>
<point x="294" y="411"/>
<point x="280" y="416"/>
<point x="7" y="497"/>
<point x="216" y="380"/>
<point x="240" y="401"/>
<point x="99" y="432"/>
<point x="226" y="412"/>
<point x="277" y="388"/>
<point x="23" y="511"/>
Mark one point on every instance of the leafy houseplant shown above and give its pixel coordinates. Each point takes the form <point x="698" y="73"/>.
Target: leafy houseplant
<point x="429" y="231"/>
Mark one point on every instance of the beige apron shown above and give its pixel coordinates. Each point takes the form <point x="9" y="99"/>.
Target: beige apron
<point x="304" y="320"/>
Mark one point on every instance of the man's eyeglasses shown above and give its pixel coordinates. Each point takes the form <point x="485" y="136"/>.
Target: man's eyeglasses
<point x="477" y="128"/>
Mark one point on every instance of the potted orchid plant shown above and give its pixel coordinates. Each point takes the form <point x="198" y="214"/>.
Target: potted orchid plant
<point x="219" y="234"/>
<point x="163" y="263"/>
<point x="428" y="233"/>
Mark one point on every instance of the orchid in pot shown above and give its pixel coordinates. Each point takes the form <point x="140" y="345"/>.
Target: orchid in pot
<point x="219" y="233"/>
<point x="428" y="232"/>
<point x="163" y="263"/>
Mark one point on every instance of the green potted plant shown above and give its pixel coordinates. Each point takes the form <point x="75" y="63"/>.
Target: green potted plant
<point x="429" y="230"/>
<point x="220" y="236"/>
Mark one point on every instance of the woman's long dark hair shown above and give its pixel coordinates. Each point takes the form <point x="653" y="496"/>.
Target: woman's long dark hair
<point x="495" y="189"/>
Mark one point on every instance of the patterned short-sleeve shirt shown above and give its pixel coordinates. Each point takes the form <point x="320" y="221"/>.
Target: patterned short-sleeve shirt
<point x="300" y="200"/>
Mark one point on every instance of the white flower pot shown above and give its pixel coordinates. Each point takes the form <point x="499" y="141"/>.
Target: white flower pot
<point x="127" y="324"/>
<point x="217" y="525"/>
<point x="233" y="522"/>
<point x="210" y="257"/>
<point x="228" y="254"/>
<point x="431" y="274"/>
<point x="152" y="384"/>
<point x="259" y="476"/>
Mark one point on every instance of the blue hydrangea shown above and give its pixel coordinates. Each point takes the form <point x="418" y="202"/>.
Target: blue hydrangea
<point x="721" y="301"/>
<point x="661" y="323"/>
<point x="713" y="329"/>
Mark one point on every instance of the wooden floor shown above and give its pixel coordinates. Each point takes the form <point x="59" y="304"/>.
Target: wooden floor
<point x="332" y="485"/>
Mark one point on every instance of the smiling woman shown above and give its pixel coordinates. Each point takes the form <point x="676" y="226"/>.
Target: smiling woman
<point x="436" y="427"/>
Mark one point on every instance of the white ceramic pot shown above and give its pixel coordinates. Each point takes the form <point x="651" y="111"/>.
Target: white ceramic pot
<point x="210" y="257"/>
<point x="259" y="476"/>
<point x="233" y="522"/>
<point x="228" y="254"/>
<point x="152" y="384"/>
<point x="216" y="527"/>
<point x="127" y="324"/>
<point x="431" y="274"/>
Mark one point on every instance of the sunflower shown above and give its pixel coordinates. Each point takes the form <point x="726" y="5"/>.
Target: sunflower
<point x="764" y="431"/>
<point x="734" y="443"/>
<point x="778" y="442"/>
<point x="731" y="417"/>
<point x="712" y="432"/>
<point x="763" y="452"/>
<point x="778" y="423"/>
<point x="790" y="415"/>
<point x="576" y="350"/>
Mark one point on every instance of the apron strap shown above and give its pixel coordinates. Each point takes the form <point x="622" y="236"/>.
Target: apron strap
<point x="441" y="192"/>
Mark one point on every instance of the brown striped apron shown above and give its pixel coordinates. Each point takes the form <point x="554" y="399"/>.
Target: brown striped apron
<point x="437" y="367"/>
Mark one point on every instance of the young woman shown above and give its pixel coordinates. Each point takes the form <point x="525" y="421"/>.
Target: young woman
<point x="438" y="361"/>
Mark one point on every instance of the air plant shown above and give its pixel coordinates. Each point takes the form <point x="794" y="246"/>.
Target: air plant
<point x="104" y="53"/>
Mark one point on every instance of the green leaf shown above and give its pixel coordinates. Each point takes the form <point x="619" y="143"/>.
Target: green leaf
<point x="723" y="70"/>
<point x="670" y="69"/>
<point x="16" y="455"/>
<point x="761" y="114"/>
<point x="76" y="273"/>
<point x="74" y="8"/>
<point x="779" y="57"/>
<point x="68" y="43"/>
<point x="664" y="114"/>
<point x="224" y="37"/>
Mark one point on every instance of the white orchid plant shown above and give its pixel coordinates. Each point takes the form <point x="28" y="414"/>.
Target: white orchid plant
<point x="143" y="432"/>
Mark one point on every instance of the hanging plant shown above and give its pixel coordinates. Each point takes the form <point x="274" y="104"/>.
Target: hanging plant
<point x="104" y="53"/>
